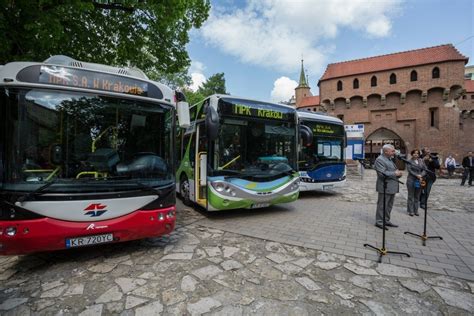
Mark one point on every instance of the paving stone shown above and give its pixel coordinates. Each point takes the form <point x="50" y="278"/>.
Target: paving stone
<point x="415" y="285"/>
<point x="303" y="262"/>
<point x="173" y="296"/>
<point x="327" y="265"/>
<point x="150" y="309"/>
<point x="188" y="284"/>
<point x="204" y="305"/>
<point x="275" y="247"/>
<point x="75" y="289"/>
<point x="231" y="265"/>
<point x="7" y="274"/>
<point x="133" y="301"/>
<point x="279" y="257"/>
<point x="362" y="282"/>
<point x="102" y="268"/>
<point x="288" y="268"/>
<point x="207" y="272"/>
<point x="392" y="270"/>
<point x="213" y="251"/>
<point x="447" y="282"/>
<point x="111" y="295"/>
<point x="51" y="285"/>
<point x="360" y="270"/>
<point x="458" y="299"/>
<point x="54" y="292"/>
<point x="230" y="251"/>
<point x="12" y="303"/>
<point x="379" y="308"/>
<point x="129" y="284"/>
<point x="178" y="256"/>
<point x="309" y="284"/>
<point x="94" y="310"/>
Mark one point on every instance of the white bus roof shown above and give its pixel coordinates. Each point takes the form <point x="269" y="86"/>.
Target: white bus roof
<point x="318" y="117"/>
<point x="9" y="72"/>
<point x="228" y="96"/>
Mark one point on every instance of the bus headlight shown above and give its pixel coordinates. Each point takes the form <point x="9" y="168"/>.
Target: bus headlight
<point x="219" y="186"/>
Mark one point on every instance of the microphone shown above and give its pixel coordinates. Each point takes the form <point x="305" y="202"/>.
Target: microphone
<point x="398" y="156"/>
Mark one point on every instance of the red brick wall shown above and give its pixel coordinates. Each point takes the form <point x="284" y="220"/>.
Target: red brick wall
<point x="382" y="106"/>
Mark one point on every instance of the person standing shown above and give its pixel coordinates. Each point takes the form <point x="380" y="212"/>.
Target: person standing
<point x="450" y="165"/>
<point x="386" y="170"/>
<point x="432" y="163"/>
<point x="416" y="173"/>
<point x="468" y="165"/>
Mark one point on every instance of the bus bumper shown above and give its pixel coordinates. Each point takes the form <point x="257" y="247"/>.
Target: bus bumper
<point x="306" y="184"/>
<point x="47" y="234"/>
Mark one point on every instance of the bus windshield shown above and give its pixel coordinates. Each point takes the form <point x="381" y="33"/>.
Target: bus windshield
<point x="255" y="149"/>
<point x="327" y="146"/>
<point x="83" y="142"/>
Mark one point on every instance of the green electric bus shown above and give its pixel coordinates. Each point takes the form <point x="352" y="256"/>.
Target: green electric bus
<point x="238" y="153"/>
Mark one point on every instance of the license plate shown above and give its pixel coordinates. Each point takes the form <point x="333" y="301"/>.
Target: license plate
<point x="260" y="205"/>
<point x="89" y="240"/>
<point x="327" y="187"/>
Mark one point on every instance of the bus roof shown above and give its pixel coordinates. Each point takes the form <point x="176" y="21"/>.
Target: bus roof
<point x="10" y="75"/>
<point x="233" y="98"/>
<point x="318" y="117"/>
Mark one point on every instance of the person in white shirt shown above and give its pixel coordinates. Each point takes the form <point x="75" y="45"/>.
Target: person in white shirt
<point x="450" y="165"/>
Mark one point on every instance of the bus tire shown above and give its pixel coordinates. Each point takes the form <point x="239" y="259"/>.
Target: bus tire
<point x="184" y="191"/>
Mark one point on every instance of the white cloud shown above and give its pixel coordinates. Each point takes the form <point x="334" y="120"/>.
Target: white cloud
<point x="197" y="77"/>
<point x="276" y="33"/>
<point x="283" y="89"/>
<point x="197" y="80"/>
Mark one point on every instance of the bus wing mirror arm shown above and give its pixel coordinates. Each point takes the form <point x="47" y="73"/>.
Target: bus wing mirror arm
<point x="212" y="123"/>
<point x="306" y="134"/>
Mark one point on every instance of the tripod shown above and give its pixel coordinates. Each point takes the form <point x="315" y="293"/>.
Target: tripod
<point x="383" y="251"/>
<point x="424" y="237"/>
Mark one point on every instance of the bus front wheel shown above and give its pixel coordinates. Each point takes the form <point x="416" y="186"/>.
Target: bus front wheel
<point x="184" y="191"/>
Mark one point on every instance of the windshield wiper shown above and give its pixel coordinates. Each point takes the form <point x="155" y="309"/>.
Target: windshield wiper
<point x="39" y="191"/>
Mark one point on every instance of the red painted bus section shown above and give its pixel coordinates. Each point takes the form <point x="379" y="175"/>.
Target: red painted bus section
<point x="47" y="234"/>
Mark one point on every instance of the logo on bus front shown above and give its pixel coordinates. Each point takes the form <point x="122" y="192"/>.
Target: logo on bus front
<point x="95" y="209"/>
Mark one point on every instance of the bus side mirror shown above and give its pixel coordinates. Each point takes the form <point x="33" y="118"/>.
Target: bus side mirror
<point x="306" y="134"/>
<point x="183" y="114"/>
<point x="56" y="154"/>
<point x="212" y="123"/>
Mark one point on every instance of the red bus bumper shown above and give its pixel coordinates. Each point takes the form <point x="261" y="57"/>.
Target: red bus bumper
<point x="48" y="234"/>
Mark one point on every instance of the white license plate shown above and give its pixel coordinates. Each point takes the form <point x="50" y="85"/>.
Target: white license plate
<point x="327" y="187"/>
<point x="89" y="240"/>
<point x="260" y="205"/>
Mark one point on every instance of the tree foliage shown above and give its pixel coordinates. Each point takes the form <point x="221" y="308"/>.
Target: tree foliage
<point x="150" y="35"/>
<point x="215" y="84"/>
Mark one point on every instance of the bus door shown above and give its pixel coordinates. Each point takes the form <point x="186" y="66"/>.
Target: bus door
<point x="201" y="166"/>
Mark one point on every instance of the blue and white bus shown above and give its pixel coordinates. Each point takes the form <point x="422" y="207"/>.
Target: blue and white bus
<point x="321" y="161"/>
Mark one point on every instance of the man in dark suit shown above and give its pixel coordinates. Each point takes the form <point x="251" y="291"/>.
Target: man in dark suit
<point x="387" y="169"/>
<point x="468" y="165"/>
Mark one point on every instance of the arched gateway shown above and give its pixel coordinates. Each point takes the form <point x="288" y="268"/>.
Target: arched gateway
<point x="380" y="137"/>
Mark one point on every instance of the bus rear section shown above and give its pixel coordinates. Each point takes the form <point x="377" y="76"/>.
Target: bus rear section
<point x="239" y="153"/>
<point x="321" y="162"/>
<point x="86" y="156"/>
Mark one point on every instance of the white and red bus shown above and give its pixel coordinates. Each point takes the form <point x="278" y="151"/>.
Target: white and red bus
<point x="86" y="155"/>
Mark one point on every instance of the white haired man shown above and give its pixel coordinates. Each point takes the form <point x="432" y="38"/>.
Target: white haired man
<point x="387" y="169"/>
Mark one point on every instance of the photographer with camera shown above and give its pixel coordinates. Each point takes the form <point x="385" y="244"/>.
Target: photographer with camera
<point x="432" y="163"/>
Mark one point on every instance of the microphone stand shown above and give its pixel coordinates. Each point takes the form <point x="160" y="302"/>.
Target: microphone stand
<point x="383" y="251"/>
<point x="423" y="236"/>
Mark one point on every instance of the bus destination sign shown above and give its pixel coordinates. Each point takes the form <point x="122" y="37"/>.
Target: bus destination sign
<point x="327" y="129"/>
<point x="245" y="110"/>
<point x="79" y="78"/>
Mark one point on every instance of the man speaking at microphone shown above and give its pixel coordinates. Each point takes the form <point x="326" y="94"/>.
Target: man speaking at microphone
<point x="387" y="169"/>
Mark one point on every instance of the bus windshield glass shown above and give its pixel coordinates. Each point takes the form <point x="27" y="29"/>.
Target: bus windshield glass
<point x="255" y="149"/>
<point x="83" y="142"/>
<point x="327" y="146"/>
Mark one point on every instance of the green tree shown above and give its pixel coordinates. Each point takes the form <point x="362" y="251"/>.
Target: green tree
<point x="215" y="84"/>
<point x="150" y="35"/>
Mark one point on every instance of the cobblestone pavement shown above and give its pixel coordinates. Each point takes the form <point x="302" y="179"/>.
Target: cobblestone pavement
<point x="203" y="270"/>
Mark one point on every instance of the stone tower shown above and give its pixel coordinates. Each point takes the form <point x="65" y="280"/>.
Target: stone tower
<point x="302" y="90"/>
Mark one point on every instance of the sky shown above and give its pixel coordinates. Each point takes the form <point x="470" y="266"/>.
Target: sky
<point x="259" y="44"/>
